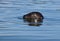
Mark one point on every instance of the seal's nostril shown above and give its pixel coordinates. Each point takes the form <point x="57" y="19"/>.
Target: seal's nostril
<point x="36" y="21"/>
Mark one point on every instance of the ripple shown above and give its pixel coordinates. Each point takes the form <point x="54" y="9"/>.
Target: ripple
<point x="2" y="21"/>
<point x="3" y="27"/>
<point x="4" y="3"/>
<point x="9" y="7"/>
<point x="53" y="19"/>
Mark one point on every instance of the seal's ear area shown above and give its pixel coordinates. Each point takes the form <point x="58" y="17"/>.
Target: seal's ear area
<point x="24" y="16"/>
<point x="41" y="15"/>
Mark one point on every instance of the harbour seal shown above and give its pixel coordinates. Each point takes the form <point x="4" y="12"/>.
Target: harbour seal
<point x="33" y="18"/>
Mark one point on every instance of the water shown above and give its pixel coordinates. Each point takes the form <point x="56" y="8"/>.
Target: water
<point x="14" y="29"/>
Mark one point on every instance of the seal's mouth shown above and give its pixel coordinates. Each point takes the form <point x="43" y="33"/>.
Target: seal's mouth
<point x="34" y="24"/>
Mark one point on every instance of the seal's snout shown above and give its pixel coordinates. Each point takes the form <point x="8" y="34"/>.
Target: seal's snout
<point x="34" y="18"/>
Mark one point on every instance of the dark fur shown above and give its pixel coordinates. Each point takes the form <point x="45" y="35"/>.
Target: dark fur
<point x="30" y="17"/>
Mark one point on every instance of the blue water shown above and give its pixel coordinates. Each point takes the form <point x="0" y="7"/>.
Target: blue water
<point x="14" y="29"/>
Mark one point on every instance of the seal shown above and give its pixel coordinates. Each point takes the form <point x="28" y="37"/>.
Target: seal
<point x="33" y="17"/>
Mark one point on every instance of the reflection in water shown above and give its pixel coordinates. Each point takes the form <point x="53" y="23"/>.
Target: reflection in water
<point x="34" y="18"/>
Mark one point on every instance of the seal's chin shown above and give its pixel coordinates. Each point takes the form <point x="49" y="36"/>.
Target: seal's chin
<point x="35" y="20"/>
<point x="34" y="24"/>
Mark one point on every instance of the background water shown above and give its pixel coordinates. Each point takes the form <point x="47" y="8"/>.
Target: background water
<point x="14" y="29"/>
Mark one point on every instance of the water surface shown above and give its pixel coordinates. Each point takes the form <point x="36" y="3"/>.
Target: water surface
<point x="14" y="29"/>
